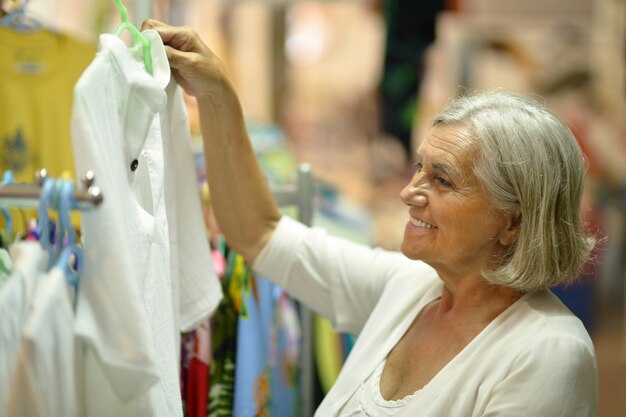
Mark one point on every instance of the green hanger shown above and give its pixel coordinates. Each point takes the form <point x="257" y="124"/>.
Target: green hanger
<point x="138" y="38"/>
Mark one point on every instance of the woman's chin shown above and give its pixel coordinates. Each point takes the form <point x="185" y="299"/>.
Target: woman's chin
<point x="409" y="252"/>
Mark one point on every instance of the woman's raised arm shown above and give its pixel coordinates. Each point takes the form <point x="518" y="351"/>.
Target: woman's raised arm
<point x="240" y="197"/>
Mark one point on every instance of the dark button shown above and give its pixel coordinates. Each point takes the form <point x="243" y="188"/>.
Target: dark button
<point x="134" y="165"/>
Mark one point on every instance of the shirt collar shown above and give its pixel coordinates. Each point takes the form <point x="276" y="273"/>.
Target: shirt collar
<point x="150" y="87"/>
<point x="146" y="92"/>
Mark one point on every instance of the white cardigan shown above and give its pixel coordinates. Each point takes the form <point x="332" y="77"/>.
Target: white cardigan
<point x="535" y="359"/>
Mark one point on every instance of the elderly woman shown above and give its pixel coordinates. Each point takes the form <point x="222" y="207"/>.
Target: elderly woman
<point x="462" y="322"/>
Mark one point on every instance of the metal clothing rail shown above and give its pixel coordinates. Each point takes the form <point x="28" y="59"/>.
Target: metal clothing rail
<point x="301" y="196"/>
<point x="26" y="195"/>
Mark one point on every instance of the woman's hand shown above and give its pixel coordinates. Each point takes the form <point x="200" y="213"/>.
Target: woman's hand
<point x="194" y="66"/>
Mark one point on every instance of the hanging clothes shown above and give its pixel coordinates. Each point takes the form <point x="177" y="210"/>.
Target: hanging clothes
<point x="224" y="340"/>
<point x="285" y="350"/>
<point x="268" y="337"/>
<point x="252" y="377"/>
<point x="38" y="72"/>
<point x="29" y="261"/>
<point x="410" y="29"/>
<point x="148" y="272"/>
<point x="45" y="379"/>
<point x="6" y="266"/>
<point x="328" y="352"/>
<point x="195" y="370"/>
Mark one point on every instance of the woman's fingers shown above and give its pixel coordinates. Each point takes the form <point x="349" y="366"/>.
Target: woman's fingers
<point x="150" y="24"/>
<point x="178" y="59"/>
<point x="182" y="38"/>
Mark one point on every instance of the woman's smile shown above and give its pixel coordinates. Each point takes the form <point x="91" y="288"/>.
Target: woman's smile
<point x="420" y="223"/>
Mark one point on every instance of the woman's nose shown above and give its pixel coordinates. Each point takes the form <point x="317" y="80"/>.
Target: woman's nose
<point x="413" y="195"/>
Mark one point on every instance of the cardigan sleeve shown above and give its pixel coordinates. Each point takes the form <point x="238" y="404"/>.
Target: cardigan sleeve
<point x="336" y="278"/>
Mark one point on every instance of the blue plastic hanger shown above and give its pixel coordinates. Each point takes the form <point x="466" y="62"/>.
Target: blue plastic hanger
<point x="18" y="20"/>
<point x="7" y="178"/>
<point x="45" y="203"/>
<point x="70" y="259"/>
<point x="138" y="38"/>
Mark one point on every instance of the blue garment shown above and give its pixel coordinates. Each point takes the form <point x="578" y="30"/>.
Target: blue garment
<point x="285" y="366"/>
<point x="251" y="377"/>
<point x="267" y="352"/>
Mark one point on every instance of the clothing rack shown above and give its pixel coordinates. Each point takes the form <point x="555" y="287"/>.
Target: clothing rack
<point x="301" y="196"/>
<point x="26" y="195"/>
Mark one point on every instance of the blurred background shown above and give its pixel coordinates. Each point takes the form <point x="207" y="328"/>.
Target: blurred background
<point x="350" y="87"/>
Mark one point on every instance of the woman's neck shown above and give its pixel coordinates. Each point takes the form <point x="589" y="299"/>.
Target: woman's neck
<point x="475" y="298"/>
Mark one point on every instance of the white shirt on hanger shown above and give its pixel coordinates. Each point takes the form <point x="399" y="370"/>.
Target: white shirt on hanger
<point x="29" y="261"/>
<point x="148" y="271"/>
<point x="44" y="382"/>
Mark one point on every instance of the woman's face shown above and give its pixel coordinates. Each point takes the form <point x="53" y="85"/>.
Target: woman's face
<point x="452" y="224"/>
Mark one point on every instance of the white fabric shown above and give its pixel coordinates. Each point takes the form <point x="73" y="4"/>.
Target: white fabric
<point x="368" y="401"/>
<point x="535" y="359"/>
<point x="6" y="266"/>
<point x="44" y="383"/>
<point x="16" y="295"/>
<point x="148" y="271"/>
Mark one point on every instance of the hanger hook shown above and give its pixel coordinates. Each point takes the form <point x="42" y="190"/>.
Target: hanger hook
<point x="122" y="10"/>
<point x="138" y="38"/>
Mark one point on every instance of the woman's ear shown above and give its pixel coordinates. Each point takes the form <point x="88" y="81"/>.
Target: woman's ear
<point x="509" y="234"/>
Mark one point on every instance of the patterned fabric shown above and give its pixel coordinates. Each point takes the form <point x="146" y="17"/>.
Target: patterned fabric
<point x="252" y="390"/>
<point x="225" y="324"/>
<point x="196" y="395"/>
<point x="284" y="354"/>
<point x="268" y="349"/>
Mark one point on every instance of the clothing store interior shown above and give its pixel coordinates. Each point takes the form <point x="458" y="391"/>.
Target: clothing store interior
<point x="336" y="95"/>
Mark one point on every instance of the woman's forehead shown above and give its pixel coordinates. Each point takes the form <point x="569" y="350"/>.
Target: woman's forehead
<point x="449" y="144"/>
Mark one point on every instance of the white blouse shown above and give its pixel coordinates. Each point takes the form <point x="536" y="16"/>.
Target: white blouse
<point x="367" y="401"/>
<point x="534" y="359"/>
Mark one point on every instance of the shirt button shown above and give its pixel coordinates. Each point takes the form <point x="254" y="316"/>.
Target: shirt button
<point x="134" y="165"/>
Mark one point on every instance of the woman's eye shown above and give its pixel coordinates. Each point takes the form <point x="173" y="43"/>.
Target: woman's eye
<point x="443" y="181"/>
<point x="440" y="180"/>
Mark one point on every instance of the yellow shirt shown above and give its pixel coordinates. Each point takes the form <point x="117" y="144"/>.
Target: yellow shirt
<point x="37" y="76"/>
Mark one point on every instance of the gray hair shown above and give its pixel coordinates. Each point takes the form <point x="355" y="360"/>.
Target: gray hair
<point x="530" y="164"/>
